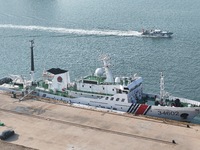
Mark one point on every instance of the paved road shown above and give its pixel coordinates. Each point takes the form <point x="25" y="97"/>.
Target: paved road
<point x="50" y="126"/>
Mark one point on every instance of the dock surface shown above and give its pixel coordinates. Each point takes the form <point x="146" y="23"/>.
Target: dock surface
<point x="42" y="125"/>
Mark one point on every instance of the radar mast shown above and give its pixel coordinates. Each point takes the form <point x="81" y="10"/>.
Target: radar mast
<point x="109" y="76"/>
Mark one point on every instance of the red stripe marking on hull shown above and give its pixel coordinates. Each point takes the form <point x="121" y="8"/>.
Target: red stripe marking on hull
<point x="141" y="109"/>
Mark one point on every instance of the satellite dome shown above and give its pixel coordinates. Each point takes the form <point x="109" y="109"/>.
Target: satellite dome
<point x="99" y="72"/>
<point x="117" y="80"/>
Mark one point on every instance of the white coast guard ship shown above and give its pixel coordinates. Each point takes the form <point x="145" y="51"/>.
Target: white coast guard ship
<point x="102" y="90"/>
<point x="125" y="94"/>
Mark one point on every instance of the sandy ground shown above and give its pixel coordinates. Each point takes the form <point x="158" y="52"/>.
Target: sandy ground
<point x="10" y="146"/>
<point x="41" y="125"/>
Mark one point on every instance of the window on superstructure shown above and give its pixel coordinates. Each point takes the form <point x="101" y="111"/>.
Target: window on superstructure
<point x="123" y="99"/>
<point x="113" y="89"/>
<point x="82" y="85"/>
<point x="111" y="98"/>
<point x="103" y="88"/>
<point x="125" y="92"/>
<point x="90" y="87"/>
<point x="119" y="91"/>
<point x="117" y="99"/>
<point x="106" y="98"/>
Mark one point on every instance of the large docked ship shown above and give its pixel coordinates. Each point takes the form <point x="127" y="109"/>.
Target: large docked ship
<point x="102" y="90"/>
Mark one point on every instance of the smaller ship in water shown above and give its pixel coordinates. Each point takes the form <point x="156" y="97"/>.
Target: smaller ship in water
<point x="156" y="33"/>
<point x="103" y="90"/>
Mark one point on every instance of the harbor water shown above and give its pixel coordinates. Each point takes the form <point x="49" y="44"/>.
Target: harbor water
<point x="72" y="35"/>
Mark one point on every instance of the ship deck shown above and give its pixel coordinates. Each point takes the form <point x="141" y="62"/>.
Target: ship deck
<point x="46" y="124"/>
<point x="95" y="78"/>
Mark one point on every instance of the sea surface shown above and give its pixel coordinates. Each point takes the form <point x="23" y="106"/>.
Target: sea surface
<point x="72" y="35"/>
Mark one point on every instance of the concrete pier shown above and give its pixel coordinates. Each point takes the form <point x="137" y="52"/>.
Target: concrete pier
<point x="43" y="124"/>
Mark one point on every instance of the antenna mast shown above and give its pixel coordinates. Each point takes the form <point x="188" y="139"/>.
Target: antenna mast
<point x="32" y="60"/>
<point x="162" y="87"/>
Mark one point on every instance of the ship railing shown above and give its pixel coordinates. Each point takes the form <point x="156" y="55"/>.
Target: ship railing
<point x="184" y="100"/>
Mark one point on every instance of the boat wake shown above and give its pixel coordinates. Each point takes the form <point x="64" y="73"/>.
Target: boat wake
<point x="73" y="31"/>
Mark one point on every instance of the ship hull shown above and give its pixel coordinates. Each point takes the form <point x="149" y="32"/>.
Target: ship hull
<point x="175" y="113"/>
<point x="157" y="35"/>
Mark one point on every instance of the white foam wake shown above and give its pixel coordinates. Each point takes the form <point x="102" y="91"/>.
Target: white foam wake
<point x="73" y="31"/>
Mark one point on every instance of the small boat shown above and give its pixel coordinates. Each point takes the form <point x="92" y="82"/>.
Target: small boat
<point x="102" y="90"/>
<point x="156" y="33"/>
